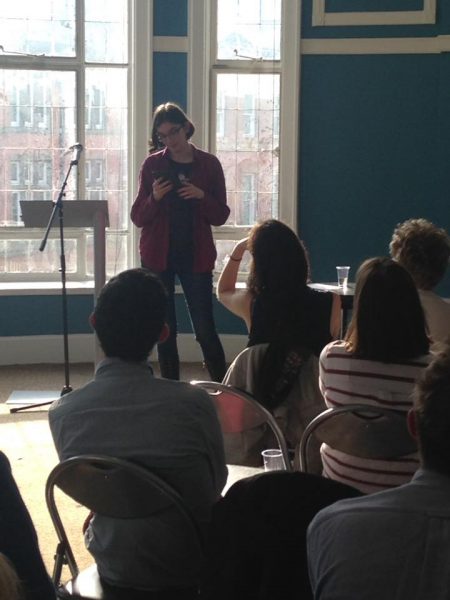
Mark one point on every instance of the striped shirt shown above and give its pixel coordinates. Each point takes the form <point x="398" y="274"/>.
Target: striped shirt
<point x="345" y="379"/>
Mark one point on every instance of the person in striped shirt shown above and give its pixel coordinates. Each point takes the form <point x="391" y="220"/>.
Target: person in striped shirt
<point x="384" y="352"/>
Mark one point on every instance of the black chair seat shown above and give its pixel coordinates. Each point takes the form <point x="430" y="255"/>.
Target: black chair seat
<point x="118" y="489"/>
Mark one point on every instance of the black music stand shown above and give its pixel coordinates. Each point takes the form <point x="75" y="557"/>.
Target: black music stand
<point x="72" y="213"/>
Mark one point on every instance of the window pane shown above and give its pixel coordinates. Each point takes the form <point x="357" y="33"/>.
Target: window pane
<point x="248" y="29"/>
<point x="106" y="31"/>
<point x="38" y="27"/>
<point x="247" y="144"/>
<point x="37" y="119"/>
<point x="116" y="253"/>
<point x="23" y="256"/>
<point x="224" y="249"/>
<point x="106" y="141"/>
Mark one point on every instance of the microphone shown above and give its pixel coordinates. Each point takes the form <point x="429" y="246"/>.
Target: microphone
<point x="76" y="149"/>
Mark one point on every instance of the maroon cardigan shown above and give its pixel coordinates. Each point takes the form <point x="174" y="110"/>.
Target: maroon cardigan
<point x="153" y="216"/>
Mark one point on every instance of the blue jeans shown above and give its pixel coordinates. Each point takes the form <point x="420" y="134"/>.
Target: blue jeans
<point x="198" y="293"/>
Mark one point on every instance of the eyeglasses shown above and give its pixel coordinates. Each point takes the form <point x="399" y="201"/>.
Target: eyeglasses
<point x="170" y="134"/>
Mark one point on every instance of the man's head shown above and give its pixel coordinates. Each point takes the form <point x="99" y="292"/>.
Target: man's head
<point x="130" y="313"/>
<point x="429" y="419"/>
<point x="422" y="249"/>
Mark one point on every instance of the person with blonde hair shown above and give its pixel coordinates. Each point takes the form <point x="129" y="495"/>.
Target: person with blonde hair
<point x="424" y="251"/>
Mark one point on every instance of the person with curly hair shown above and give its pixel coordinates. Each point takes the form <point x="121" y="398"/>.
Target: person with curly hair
<point x="424" y="250"/>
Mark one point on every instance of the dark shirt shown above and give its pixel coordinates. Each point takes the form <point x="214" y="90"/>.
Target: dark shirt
<point x="18" y="539"/>
<point x="308" y="323"/>
<point x="257" y="542"/>
<point x="181" y="221"/>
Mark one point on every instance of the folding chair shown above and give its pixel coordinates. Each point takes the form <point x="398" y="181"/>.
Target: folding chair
<point x="239" y="413"/>
<point x="114" y="488"/>
<point x="360" y="430"/>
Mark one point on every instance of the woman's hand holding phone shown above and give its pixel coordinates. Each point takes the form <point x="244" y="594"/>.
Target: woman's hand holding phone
<point x="161" y="187"/>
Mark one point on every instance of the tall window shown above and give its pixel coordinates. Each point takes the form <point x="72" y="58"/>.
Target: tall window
<point x="249" y="84"/>
<point x="63" y="79"/>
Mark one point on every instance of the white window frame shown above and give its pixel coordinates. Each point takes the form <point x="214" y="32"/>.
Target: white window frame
<point x="249" y="114"/>
<point x="251" y="191"/>
<point x="92" y="123"/>
<point x="15" y="172"/>
<point x="202" y="15"/>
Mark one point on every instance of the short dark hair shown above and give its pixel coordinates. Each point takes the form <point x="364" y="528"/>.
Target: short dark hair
<point x="423" y="249"/>
<point x="432" y="411"/>
<point x="388" y="323"/>
<point x="130" y="314"/>
<point x="169" y="112"/>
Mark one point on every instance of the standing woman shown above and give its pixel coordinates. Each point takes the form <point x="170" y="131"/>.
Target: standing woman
<point x="181" y="194"/>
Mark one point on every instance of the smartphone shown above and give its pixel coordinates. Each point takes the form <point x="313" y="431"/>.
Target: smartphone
<point x="168" y="176"/>
<point x="161" y="174"/>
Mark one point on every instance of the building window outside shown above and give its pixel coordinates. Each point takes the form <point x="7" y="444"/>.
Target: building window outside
<point x="245" y="72"/>
<point x="95" y="109"/>
<point x="40" y="75"/>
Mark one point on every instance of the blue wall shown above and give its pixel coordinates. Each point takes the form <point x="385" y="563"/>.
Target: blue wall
<point x="374" y="143"/>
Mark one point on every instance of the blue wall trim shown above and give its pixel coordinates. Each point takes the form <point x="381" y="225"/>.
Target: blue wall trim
<point x="342" y="6"/>
<point x="42" y="315"/>
<point x="170" y="78"/>
<point x="170" y="17"/>
<point x="374" y="148"/>
<point x="442" y="26"/>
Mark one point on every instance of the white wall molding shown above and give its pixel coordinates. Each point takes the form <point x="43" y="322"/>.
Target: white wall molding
<point x="38" y="349"/>
<point x="422" y="45"/>
<point x="400" y="17"/>
<point x="166" y="43"/>
<point x="140" y="94"/>
<point x="199" y="64"/>
<point x="289" y="113"/>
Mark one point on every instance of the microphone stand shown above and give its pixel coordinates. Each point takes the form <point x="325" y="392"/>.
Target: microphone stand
<point x="58" y="208"/>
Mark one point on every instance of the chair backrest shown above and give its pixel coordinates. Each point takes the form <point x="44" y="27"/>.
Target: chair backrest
<point x="114" y="488"/>
<point x="239" y="412"/>
<point x="359" y="430"/>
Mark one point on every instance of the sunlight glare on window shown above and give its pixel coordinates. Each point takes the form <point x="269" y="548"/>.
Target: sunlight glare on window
<point x="106" y="31"/>
<point x="248" y="29"/>
<point x="38" y="27"/>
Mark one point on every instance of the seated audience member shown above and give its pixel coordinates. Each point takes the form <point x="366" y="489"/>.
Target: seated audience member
<point x="281" y="311"/>
<point x="19" y="543"/>
<point x="396" y="543"/>
<point x="257" y="539"/>
<point x="384" y="352"/>
<point x="167" y="426"/>
<point x="424" y="250"/>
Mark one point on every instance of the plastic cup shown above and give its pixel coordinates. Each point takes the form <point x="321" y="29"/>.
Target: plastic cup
<point x="342" y="276"/>
<point x="273" y="460"/>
